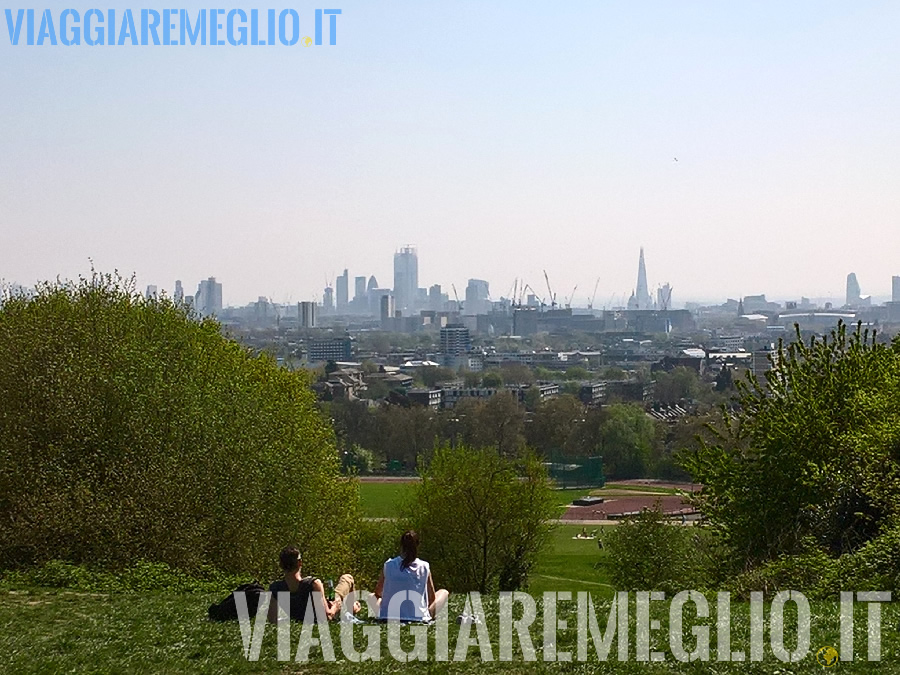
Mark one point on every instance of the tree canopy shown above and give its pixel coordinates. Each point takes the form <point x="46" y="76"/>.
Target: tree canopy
<point x="482" y="518"/>
<point x="130" y="430"/>
<point x="812" y="455"/>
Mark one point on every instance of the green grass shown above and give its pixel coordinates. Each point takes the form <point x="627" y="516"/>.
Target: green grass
<point x="381" y="500"/>
<point x="569" y="564"/>
<point x="56" y="631"/>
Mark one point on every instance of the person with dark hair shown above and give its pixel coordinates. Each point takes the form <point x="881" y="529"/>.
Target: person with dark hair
<point x="303" y="590"/>
<point x="408" y="573"/>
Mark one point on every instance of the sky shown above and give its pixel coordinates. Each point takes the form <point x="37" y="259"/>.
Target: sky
<point x="499" y="138"/>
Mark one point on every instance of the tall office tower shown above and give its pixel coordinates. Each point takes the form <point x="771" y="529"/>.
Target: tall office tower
<point x="342" y="287"/>
<point x="664" y="297"/>
<point x="208" y="300"/>
<point x="406" y="279"/>
<point x="307" y="313"/>
<point x="360" y="287"/>
<point x="178" y="296"/>
<point x="151" y="292"/>
<point x="372" y="285"/>
<point x="477" y="294"/>
<point x="387" y="308"/>
<point x="328" y="300"/>
<point x="853" y="291"/>
<point x="895" y="289"/>
<point x="642" y="297"/>
<point x="434" y="297"/>
<point x="455" y="339"/>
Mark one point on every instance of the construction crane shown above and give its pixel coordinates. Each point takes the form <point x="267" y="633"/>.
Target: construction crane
<point x="459" y="306"/>
<point x="591" y="303"/>
<point x="665" y="297"/>
<point x="551" y="296"/>
<point x="572" y="295"/>
<point x="527" y="287"/>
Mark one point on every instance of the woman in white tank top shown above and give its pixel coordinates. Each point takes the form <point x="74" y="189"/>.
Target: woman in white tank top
<point x="405" y="590"/>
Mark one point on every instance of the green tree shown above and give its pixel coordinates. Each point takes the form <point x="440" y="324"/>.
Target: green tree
<point x="471" y="379"/>
<point x="678" y="385"/>
<point x="483" y="519"/>
<point x="517" y="373"/>
<point x="130" y="429"/>
<point x="812" y="453"/>
<point x="431" y="375"/>
<point x="627" y="440"/>
<point x="646" y="552"/>
<point x="554" y="426"/>
<point x="724" y="380"/>
<point x="492" y="379"/>
<point x="577" y="373"/>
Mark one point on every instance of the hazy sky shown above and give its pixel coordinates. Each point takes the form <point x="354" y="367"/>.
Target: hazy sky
<point x="500" y="138"/>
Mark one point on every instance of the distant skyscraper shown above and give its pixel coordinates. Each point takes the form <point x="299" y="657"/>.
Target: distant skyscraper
<point x="208" y="300"/>
<point x="307" y="313"/>
<point x="477" y="294"/>
<point x="386" y="309"/>
<point x="434" y="297"/>
<point x="406" y="279"/>
<point x="328" y="300"/>
<point x="664" y="297"/>
<point x="342" y="284"/>
<point x="178" y="296"/>
<point x="151" y="292"/>
<point x="895" y="289"/>
<point x="360" y="289"/>
<point x="853" y="291"/>
<point x="641" y="298"/>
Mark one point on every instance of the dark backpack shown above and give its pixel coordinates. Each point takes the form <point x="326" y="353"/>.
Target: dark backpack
<point x="227" y="609"/>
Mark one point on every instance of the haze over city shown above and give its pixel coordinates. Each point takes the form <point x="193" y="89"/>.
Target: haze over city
<point x="749" y="149"/>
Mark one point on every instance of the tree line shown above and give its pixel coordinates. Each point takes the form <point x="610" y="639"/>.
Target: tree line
<point x="632" y="444"/>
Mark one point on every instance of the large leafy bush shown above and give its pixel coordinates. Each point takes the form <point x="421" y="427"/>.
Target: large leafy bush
<point x="812" y="456"/>
<point x="131" y="431"/>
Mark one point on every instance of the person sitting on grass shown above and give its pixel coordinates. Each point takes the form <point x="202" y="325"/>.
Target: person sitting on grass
<point x="407" y="572"/>
<point x="304" y="590"/>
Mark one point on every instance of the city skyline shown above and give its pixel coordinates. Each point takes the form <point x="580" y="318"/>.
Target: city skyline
<point x="339" y="285"/>
<point x="749" y="149"/>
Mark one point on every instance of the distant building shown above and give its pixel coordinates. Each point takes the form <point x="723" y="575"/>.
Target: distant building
<point x="406" y="279"/>
<point x="152" y="292"/>
<point x="208" y="299"/>
<point x="341" y="287"/>
<point x="477" y="294"/>
<point x="329" y="349"/>
<point x="328" y="300"/>
<point x="853" y="291"/>
<point x="386" y="309"/>
<point x="895" y="289"/>
<point x="730" y="343"/>
<point x="307" y="313"/>
<point x="178" y="296"/>
<point x="360" y="290"/>
<point x="664" y="297"/>
<point x="430" y="398"/>
<point x="640" y="298"/>
<point x="435" y="301"/>
<point x="455" y="339"/>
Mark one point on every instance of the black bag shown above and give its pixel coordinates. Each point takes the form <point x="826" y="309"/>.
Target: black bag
<point x="227" y="609"/>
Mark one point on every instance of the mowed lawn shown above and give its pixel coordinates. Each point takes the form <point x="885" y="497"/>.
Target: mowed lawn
<point x="382" y="500"/>
<point x="567" y="564"/>
<point x="49" y="631"/>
